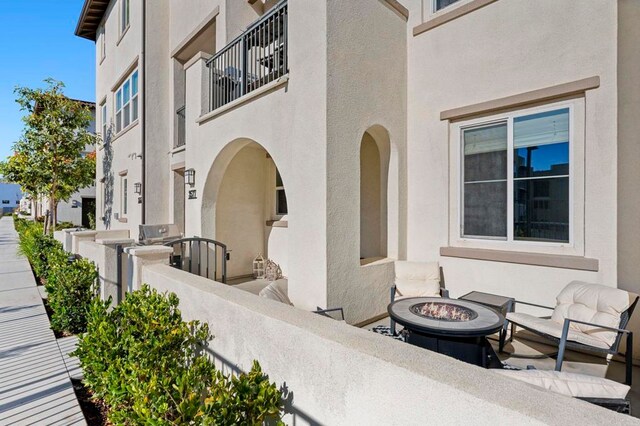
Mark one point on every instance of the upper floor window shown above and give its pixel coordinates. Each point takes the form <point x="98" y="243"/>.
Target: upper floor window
<point x="281" y="196"/>
<point x="103" y="43"/>
<point x="103" y="119"/>
<point x="127" y="102"/>
<point x="441" y="4"/>
<point x="124" y="15"/>
<point x="516" y="177"/>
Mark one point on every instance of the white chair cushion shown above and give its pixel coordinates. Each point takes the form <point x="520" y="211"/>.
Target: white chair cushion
<point x="417" y="279"/>
<point x="554" y="329"/>
<point x="277" y="290"/>
<point x="592" y="303"/>
<point x="570" y="384"/>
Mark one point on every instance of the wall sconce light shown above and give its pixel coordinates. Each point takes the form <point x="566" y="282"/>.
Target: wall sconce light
<point x="137" y="188"/>
<point x="190" y="177"/>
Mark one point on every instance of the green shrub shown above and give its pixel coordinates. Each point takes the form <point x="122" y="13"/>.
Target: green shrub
<point x="70" y="289"/>
<point x="65" y="225"/>
<point x="146" y="364"/>
<point x="42" y="251"/>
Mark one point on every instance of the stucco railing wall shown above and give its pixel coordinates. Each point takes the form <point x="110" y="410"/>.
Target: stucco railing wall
<point x="339" y="374"/>
<point x="103" y="252"/>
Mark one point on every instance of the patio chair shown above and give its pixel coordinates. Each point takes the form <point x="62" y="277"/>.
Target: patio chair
<point x="595" y="390"/>
<point x="416" y="279"/>
<point x="589" y="317"/>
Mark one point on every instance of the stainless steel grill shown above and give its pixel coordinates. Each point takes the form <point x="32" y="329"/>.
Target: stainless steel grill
<point x="158" y="234"/>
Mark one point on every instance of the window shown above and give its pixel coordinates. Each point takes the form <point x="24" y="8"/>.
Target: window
<point x="125" y="194"/>
<point x="516" y="178"/>
<point x="281" y="196"/>
<point x="124" y="14"/>
<point x="127" y="102"/>
<point x="441" y="4"/>
<point x="103" y="120"/>
<point x="5" y="202"/>
<point x="103" y="43"/>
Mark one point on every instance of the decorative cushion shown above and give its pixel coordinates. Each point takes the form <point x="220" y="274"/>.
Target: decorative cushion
<point x="417" y="279"/>
<point x="554" y="329"/>
<point x="277" y="290"/>
<point x="570" y="384"/>
<point x="592" y="303"/>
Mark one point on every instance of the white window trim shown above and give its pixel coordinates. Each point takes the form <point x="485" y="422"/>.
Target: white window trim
<point x="124" y="196"/>
<point x="132" y="121"/>
<point x="103" y="42"/>
<point x="435" y="10"/>
<point x="575" y="246"/>
<point x="104" y="120"/>
<point x="124" y="26"/>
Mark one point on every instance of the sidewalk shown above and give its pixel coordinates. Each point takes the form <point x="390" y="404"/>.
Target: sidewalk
<point x="34" y="385"/>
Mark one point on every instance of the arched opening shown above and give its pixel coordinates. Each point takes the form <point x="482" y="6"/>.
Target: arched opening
<point x="374" y="177"/>
<point x="245" y="206"/>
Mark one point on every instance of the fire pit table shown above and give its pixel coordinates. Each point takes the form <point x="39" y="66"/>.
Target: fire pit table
<point x="458" y="328"/>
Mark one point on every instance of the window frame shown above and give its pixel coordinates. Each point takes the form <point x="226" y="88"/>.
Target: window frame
<point x="575" y="246"/>
<point x="124" y="196"/>
<point x="103" y="42"/>
<point x="434" y="6"/>
<point x="125" y="16"/>
<point x="104" y="119"/>
<point x="120" y="92"/>
<point x="279" y="213"/>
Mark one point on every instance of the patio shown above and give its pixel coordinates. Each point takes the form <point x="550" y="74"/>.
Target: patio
<point x="527" y="350"/>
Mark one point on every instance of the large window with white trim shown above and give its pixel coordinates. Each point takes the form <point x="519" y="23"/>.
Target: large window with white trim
<point x="515" y="182"/>
<point x="127" y="102"/>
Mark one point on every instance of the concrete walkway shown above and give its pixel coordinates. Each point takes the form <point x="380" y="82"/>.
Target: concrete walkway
<point x="35" y="388"/>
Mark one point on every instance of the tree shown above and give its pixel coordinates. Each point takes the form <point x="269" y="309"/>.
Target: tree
<point x="48" y="159"/>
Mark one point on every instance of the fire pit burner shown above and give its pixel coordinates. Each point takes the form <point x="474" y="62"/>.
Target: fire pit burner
<point x="444" y="311"/>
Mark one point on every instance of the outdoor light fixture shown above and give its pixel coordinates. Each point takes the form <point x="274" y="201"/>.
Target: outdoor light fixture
<point x="190" y="177"/>
<point x="137" y="188"/>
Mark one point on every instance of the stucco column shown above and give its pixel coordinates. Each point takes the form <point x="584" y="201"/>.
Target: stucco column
<point x="139" y="257"/>
<point x="197" y="104"/>
<point x="109" y="270"/>
<point x="78" y="236"/>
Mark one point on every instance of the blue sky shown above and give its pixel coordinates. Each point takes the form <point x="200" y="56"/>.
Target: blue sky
<point x="36" y="42"/>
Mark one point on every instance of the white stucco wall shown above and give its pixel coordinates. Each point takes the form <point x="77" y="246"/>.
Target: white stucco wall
<point x="366" y="87"/>
<point x="240" y="209"/>
<point x="122" y="54"/>
<point x="341" y="375"/>
<point x="496" y="52"/>
<point x="292" y="129"/>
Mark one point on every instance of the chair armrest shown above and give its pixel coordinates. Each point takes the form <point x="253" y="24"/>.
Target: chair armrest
<point x="517" y="302"/>
<point x="619" y="330"/>
<point x="444" y="292"/>
<point x="324" y="312"/>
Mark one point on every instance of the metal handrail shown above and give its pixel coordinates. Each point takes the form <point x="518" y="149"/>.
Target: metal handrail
<point x="251" y="60"/>
<point x="177" y="261"/>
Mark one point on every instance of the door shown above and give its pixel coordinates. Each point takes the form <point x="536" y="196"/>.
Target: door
<point x="88" y="209"/>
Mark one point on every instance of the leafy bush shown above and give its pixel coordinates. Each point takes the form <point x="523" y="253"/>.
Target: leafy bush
<point x="147" y="366"/>
<point x="70" y="289"/>
<point x="42" y="251"/>
<point x="65" y="225"/>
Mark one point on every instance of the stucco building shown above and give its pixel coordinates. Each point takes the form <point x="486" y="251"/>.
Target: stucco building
<point x="495" y="136"/>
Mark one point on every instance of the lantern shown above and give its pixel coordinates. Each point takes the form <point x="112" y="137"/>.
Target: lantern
<point x="190" y="177"/>
<point x="258" y="267"/>
<point x="137" y="188"/>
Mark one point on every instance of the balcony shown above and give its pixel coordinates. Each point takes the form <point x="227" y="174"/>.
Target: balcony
<point x="255" y="58"/>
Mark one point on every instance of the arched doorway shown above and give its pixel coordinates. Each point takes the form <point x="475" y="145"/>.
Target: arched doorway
<point x="374" y="180"/>
<point x="243" y="198"/>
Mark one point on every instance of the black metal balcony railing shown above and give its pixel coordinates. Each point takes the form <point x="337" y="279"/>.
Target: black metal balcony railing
<point x="180" y="126"/>
<point x="257" y="57"/>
